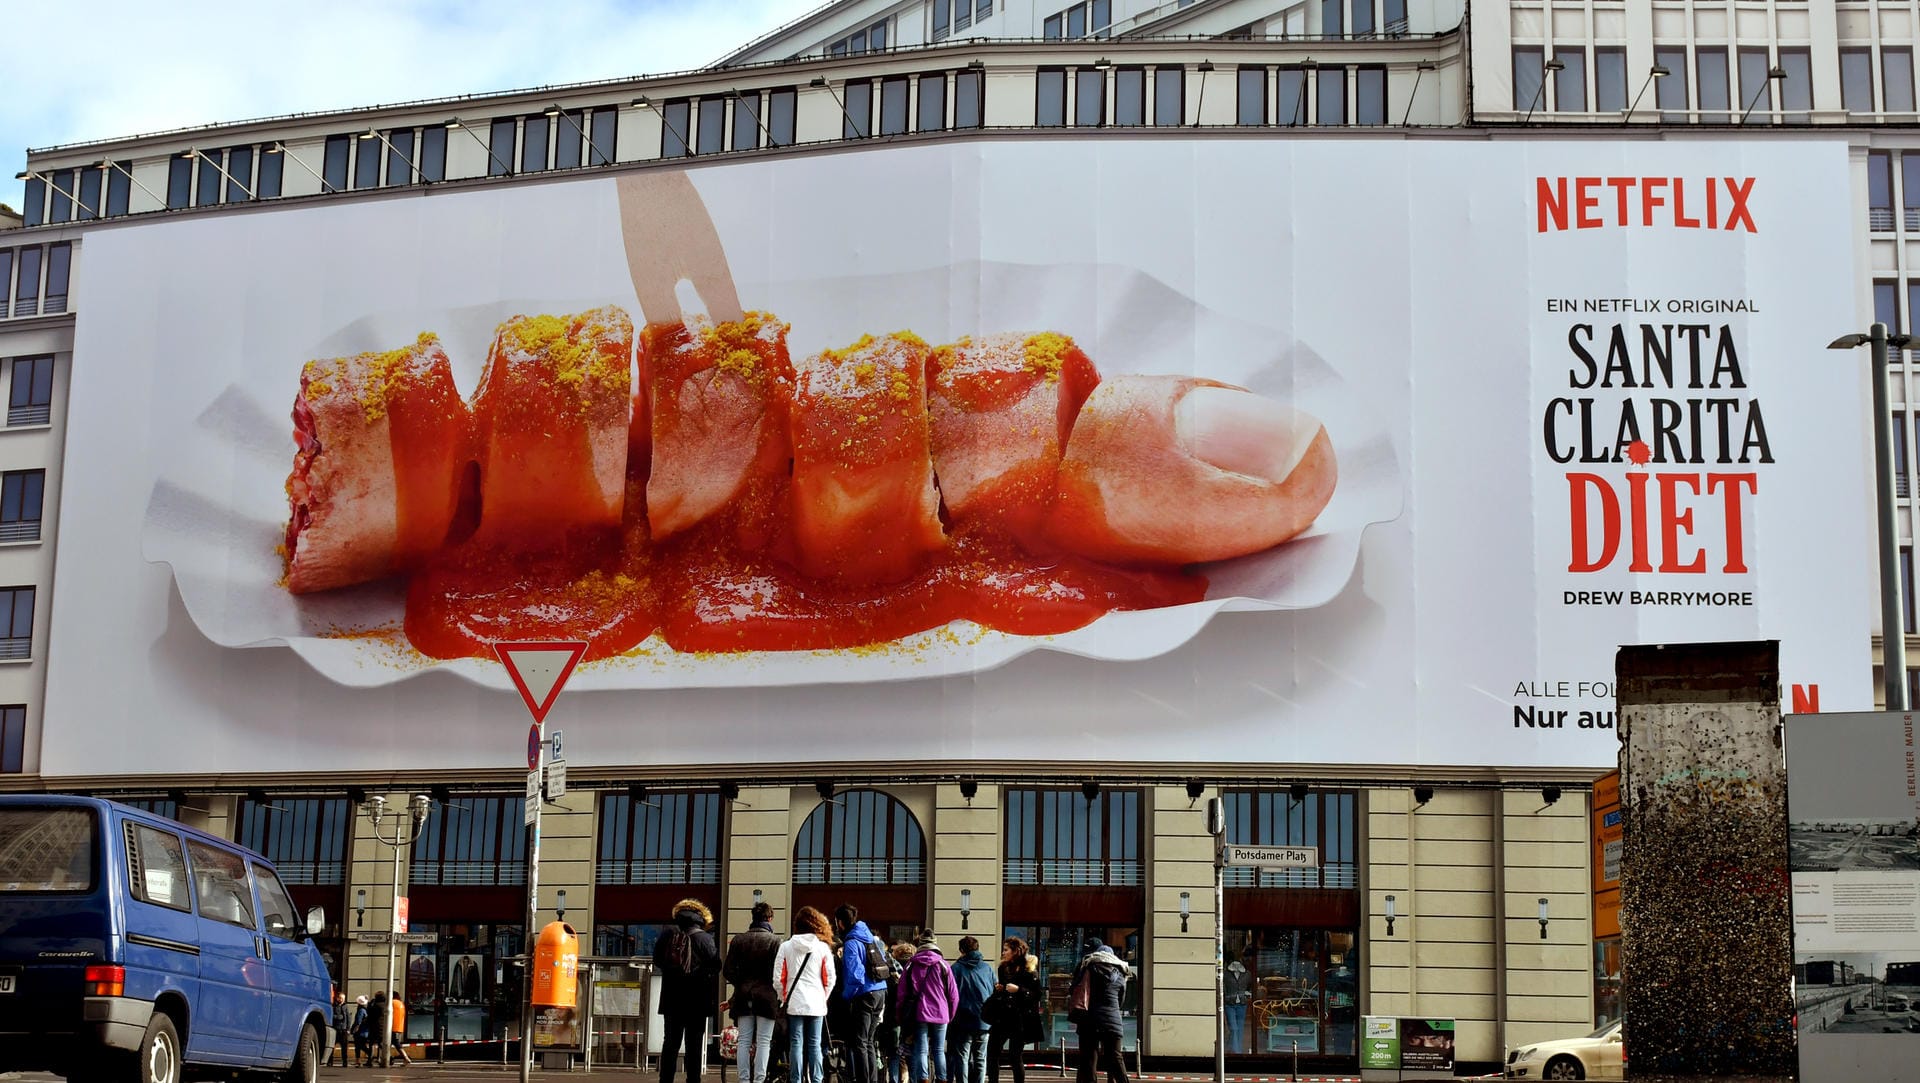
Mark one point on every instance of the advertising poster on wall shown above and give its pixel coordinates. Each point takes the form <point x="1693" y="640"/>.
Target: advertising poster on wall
<point x="1855" y="851"/>
<point x="1333" y="452"/>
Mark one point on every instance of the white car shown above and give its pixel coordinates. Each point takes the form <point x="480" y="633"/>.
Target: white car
<point x="1595" y="1056"/>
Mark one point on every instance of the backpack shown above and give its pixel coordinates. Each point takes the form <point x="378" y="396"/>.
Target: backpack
<point x="879" y="962"/>
<point x="1080" y="994"/>
<point x="678" y="952"/>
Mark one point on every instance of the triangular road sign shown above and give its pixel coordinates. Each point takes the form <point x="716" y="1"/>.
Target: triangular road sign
<point x="539" y="669"/>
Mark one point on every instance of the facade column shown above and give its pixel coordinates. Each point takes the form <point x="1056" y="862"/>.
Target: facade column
<point x="759" y="854"/>
<point x="214" y="813"/>
<point x="1549" y="983"/>
<point x="966" y="842"/>
<point x="1387" y="957"/>
<point x="1179" y="964"/>
<point x="370" y="868"/>
<point x="566" y="863"/>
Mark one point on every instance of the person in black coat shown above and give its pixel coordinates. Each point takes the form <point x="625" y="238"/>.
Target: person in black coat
<point x="688" y="961"/>
<point x="1099" y="1026"/>
<point x="1013" y="1010"/>
<point x="756" y="1003"/>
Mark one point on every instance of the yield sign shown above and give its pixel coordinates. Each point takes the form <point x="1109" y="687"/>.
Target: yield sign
<point x="539" y="669"/>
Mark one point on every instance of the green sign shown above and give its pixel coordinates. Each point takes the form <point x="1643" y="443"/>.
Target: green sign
<point x="1380" y="1042"/>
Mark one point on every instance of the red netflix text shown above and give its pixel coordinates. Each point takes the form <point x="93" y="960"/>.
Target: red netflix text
<point x="1680" y="202"/>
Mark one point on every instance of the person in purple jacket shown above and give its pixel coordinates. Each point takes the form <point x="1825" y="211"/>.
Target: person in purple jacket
<point x="927" y="1000"/>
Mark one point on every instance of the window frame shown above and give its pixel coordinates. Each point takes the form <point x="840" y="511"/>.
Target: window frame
<point x="861" y="128"/>
<point x="24" y="480"/>
<point x="1362" y="75"/>
<point x="498" y="164"/>
<point x="1089" y="85"/>
<point x="676" y="841"/>
<point x="1043" y="80"/>
<point x="137" y="851"/>
<point x="263" y="880"/>
<point x="13" y="738"/>
<point x="1136" y="98"/>
<point x="936" y="81"/>
<point x="195" y="848"/>
<point x="1177" y="74"/>
<point x="1864" y="55"/>
<point x="308" y="839"/>
<point x="1251" y="78"/>
<point x="1334" y="76"/>
<point x="1720" y="83"/>
<point x="896" y="104"/>
<point x="1038" y="822"/>
<point x="484" y="833"/>
<point x="683" y="134"/>
<point x="15" y="646"/>
<point x="839" y="840"/>
<point x="336" y="163"/>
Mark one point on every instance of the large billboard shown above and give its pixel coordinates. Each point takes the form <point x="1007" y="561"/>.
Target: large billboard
<point x="1166" y="450"/>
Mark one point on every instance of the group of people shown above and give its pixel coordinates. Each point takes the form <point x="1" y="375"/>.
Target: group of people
<point x="359" y="1022"/>
<point x="892" y="1007"/>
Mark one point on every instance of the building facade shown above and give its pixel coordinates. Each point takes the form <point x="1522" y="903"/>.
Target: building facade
<point x="1060" y="852"/>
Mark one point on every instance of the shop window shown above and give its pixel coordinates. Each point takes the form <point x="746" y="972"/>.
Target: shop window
<point x="662" y="838"/>
<point x="305" y="837"/>
<point x="1323" y="819"/>
<point x="473" y="842"/>
<point x="1291" y="989"/>
<point x="1059" y="948"/>
<point x="463" y="986"/>
<point x="1606" y="981"/>
<point x="1060" y="837"/>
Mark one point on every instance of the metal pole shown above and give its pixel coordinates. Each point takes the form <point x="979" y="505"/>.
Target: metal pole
<point x="1219" y="960"/>
<point x="1893" y="650"/>
<point x="393" y="937"/>
<point x="533" y="909"/>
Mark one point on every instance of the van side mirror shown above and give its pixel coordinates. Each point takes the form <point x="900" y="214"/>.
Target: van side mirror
<point x="316" y="921"/>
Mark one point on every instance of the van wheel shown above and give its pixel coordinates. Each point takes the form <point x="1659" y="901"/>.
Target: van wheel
<point x="159" y="1056"/>
<point x="306" y="1059"/>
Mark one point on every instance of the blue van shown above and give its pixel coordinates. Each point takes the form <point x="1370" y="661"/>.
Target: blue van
<point x="132" y="947"/>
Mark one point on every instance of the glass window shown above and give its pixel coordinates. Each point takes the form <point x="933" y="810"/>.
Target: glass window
<point x="1913" y="304"/>
<point x="1609" y="79"/>
<point x="1130" y="96"/>
<point x="500" y="137"/>
<point x="26" y="301"/>
<point x="207" y="185"/>
<point x="1756" y="90"/>
<point x="278" y="915"/>
<point x="780" y="119"/>
<point x="1879" y="190"/>
<point x="1089" y="97"/>
<point x="400" y="156"/>
<point x="272" y="166"/>
<point x="367" y="152"/>
<point x="968" y="100"/>
<point x="1710" y="67"/>
<point x="20" y="496"/>
<point x="962" y="14"/>
<point x="893" y="105"/>
<point x="1058" y="837"/>
<point x="6" y="278"/>
<point x="59" y="267"/>
<point x="711" y="136"/>
<point x="433" y="154"/>
<point x="1291" y="988"/>
<point x="157" y="868"/>
<point x="1076" y="22"/>
<point x="220" y="885"/>
<point x="1102" y="17"/>
<point x="663" y="838"/>
<point x="305" y="837"/>
<point x="1395" y="12"/>
<point x="1332" y="12"/>
<point x="746" y="122"/>
<point x="1059" y="949"/>
<point x="1326" y="819"/>
<point x="1796" y="92"/>
<point x="1900" y="452"/>
<point x="87" y="206"/>
<point x="1896" y="80"/>
<point x="877" y="37"/>
<point x="534" y="153"/>
<point x="1292" y="97"/>
<point x="1529" y="78"/>
<point x="569" y="138"/>
<point x="1570" y="82"/>
<point x="62" y="196"/>
<point x="1884" y="310"/>
<point x="1050" y="30"/>
<point x="31" y="401"/>
<point x="13" y="742"/>
<point x="932" y="111"/>
<point x="1670" y="92"/>
<point x="1856" y="80"/>
<point x="1906" y="578"/>
<point x="982" y="10"/>
<point x="943" y="17"/>
<point x="1330" y="92"/>
<point x="334" y="167"/>
<point x="36" y="200"/>
<point x="1051" y="91"/>
<point x="676" y="126"/>
<point x="1169" y="96"/>
<point x="1253" y="96"/>
<point x="164" y="807"/>
<point x="605" y="133"/>
<point x="473" y="841"/>
<point x="47" y="849"/>
<point x="16" y="622"/>
<point x="119" y="188"/>
<point x="1369" y="95"/>
<point x="1362" y="19"/>
<point x="240" y="170"/>
<point x="858" y="123"/>
<point x="861" y="837"/>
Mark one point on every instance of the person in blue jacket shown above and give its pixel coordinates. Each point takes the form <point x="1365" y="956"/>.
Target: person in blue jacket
<point x="864" y="990"/>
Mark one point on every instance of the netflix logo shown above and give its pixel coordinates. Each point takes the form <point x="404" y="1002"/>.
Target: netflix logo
<point x="1679" y="202"/>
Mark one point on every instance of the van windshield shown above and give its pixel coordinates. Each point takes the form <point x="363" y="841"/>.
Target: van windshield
<point x="46" y="849"/>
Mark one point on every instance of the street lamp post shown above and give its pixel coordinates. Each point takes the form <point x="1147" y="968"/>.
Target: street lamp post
<point x="404" y="833"/>
<point x="1893" y="640"/>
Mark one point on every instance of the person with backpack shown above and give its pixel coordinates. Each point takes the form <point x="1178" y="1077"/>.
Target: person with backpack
<point x="687" y="961"/>
<point x="376" y="1018"/>
<point x="362" y="1035"/>
<point x="867" y="967"/>
<point x="804" y="973"/>
<point x="755" y="1003"/>
<point x="893" y="1051"/>
<point x="1014" y="1009"/>
<point x="1093" y="1006"/>
<point x="926" y="1003"/>
<point x="974" y="977"/>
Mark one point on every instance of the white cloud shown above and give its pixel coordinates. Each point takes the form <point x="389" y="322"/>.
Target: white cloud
<point x="125" y="68"/>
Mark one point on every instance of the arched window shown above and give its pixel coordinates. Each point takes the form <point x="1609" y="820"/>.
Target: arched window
<point x="860" y="837"/>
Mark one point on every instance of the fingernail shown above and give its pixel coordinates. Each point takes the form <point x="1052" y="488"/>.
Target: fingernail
<point x="1243" y="433"/>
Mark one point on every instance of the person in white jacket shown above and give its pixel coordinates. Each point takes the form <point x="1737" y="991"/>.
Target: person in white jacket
<point x="803" y="975"/>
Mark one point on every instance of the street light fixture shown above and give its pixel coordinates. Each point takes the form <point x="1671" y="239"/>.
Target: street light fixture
<point x="360" y="909"/>
<point x="1893" y="650"/>
<point x="1543" y="917"/>
<point x="966" y="905"/>
<point x="1658" y="71"/>
<point x="560" y="906"/>
<point x="1774" y="74"/>
<point x="405" y="831"/>
<point x="1553" y="67"/>
<point x="1389" y="915"/>
<point x="1186" y="909"/>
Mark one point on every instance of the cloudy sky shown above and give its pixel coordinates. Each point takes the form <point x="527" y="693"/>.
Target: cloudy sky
<point x="120" y="67"/>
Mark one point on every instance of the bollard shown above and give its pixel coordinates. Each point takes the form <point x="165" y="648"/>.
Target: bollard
<point x="1294" y="1076"/>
